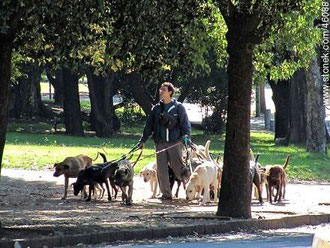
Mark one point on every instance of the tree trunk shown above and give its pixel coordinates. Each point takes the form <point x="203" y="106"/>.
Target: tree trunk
<point x="27" y="95"/>
<point x="298" y="117"/>
<point x="235" y="194"/>
<point x="5" y="70"/>
<point x="72" y="113"/>
<point x="140" y="95"/>
<point x="187" y="89"/>
<point x="315" y="131"/>
<point x="257" y="100"/>
<point x="100" y="93"/>
<point x="281" y="98"/>
<point x="262" y="99"/>
<point x="58" y="84"/>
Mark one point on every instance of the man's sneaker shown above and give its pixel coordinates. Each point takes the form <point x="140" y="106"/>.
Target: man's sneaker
<point x="165" y="198"/>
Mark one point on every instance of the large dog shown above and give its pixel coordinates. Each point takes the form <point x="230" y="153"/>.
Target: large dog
<point x="123" y="177"/>
<point x="99" y="173"/>
<point x="203" y="177"/>
<point x="70" y="167"/>
<point x="276" y="179"/>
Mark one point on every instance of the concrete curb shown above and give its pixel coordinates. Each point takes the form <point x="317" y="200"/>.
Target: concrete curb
<point x="174" y="231"/>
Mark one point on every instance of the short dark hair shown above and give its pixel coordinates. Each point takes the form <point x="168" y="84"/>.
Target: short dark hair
<point x="170" y="87"/>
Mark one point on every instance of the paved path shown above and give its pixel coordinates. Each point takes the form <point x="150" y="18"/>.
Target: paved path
<point x="32" y="199"/>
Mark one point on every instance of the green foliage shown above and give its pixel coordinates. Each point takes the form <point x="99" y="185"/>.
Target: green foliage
<point x="130" y="115"/>
<point x="290" y="46"/>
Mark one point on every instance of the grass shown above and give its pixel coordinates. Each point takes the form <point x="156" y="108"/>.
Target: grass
<point x="41" y="150"/>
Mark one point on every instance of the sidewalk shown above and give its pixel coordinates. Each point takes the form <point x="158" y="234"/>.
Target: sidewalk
<point x="33" y="213"/>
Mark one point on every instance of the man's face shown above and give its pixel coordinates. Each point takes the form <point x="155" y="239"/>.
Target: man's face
<point x="164" y="93"/>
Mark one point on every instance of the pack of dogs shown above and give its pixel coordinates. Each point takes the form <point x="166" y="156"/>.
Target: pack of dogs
<point x="201" y="177"/>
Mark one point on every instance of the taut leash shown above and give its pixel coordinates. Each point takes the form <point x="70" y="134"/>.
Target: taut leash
<point x="160" y="151"/>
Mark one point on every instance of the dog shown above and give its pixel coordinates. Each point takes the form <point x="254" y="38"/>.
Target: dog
<point x="149" y="174"/>
<point x="276" y="179"/>
<point x="186" y="171"/>
<point x="70" y="167"/>
<point x="255" y="176"/>
<point x="174" y="179"/>
<point x="99" y="173"/>
<point x="123" y="177"/>
<point x="203" y="177"/>
<point x="197" y="154"/>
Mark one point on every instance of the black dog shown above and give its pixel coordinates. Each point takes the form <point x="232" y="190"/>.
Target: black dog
<point x="123" y="177"/>
<point x="99" y="173"/>
<point x="255" y="176"/>
<point x="174" y="179"/>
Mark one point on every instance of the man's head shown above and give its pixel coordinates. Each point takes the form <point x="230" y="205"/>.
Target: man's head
<point x="166" y="90"/>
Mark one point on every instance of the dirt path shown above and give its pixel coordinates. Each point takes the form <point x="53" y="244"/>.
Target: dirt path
<point x="30" y="202"/>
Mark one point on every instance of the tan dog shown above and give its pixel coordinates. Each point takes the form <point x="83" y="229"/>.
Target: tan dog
<point x="276" y="179"/>
<point x="203" y="177"/>
<point x="70" y="167"/>
<point x="149" y="174"/>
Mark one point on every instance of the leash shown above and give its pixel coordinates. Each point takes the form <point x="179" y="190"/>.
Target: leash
<point x="128" y="155"/>
<point x="160" y="151"/>
<point x="188" y="160"/>
<point x="137" y="158"/>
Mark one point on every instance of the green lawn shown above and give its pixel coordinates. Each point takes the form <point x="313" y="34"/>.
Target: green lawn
<point x="41" y="151"/>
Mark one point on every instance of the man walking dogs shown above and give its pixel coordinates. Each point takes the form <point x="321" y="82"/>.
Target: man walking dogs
<point x="169" y="126"/>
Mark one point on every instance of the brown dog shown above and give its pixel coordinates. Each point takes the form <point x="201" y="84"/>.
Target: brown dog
<point x="276" y="179"/>
<point x="70" y="167"/>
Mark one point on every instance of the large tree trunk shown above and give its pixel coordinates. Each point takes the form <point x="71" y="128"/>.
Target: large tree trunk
<point x="235" y="194"/>
<point x="100" y="93"/>
<point x="298" y="108"/>
<point x="56" y="81"/>
<point x="5" y="70"/>
<point x="72" y="113"/>
<point x="281" y="98"/>
<point x="140" y="94"/>
<point x="315" y="131"/>
<point x="27" y="95"/>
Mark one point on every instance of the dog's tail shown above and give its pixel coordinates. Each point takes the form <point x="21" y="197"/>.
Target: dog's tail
<point x="256" y="159"/>
<point x="207" y="150"/>
<point x="102" y="155"/>
<point x="286" y="161"/>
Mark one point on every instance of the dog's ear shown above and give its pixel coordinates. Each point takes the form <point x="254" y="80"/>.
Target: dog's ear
<point x="55" y="165"/>
<point x="65" y="166"/>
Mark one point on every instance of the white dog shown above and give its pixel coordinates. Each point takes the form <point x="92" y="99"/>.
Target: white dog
<point x="149" y="174"/>
<point x="203" y="177"/>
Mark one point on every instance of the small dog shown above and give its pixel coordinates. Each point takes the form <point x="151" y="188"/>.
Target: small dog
<point x="255" y="176"/>
<point x="203" y="177"/>
<point x="99" y="173"/>
<point x="276" y="178"/>
<point x="149" y="174"/>
<point x="123" y="177"/>
<point x="70" y="167"/>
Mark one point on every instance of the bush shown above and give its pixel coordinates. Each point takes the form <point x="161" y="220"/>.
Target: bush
<point x="130" y="115"/>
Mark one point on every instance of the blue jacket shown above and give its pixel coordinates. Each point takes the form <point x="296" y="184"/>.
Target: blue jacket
<point x="153" y="122"/>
